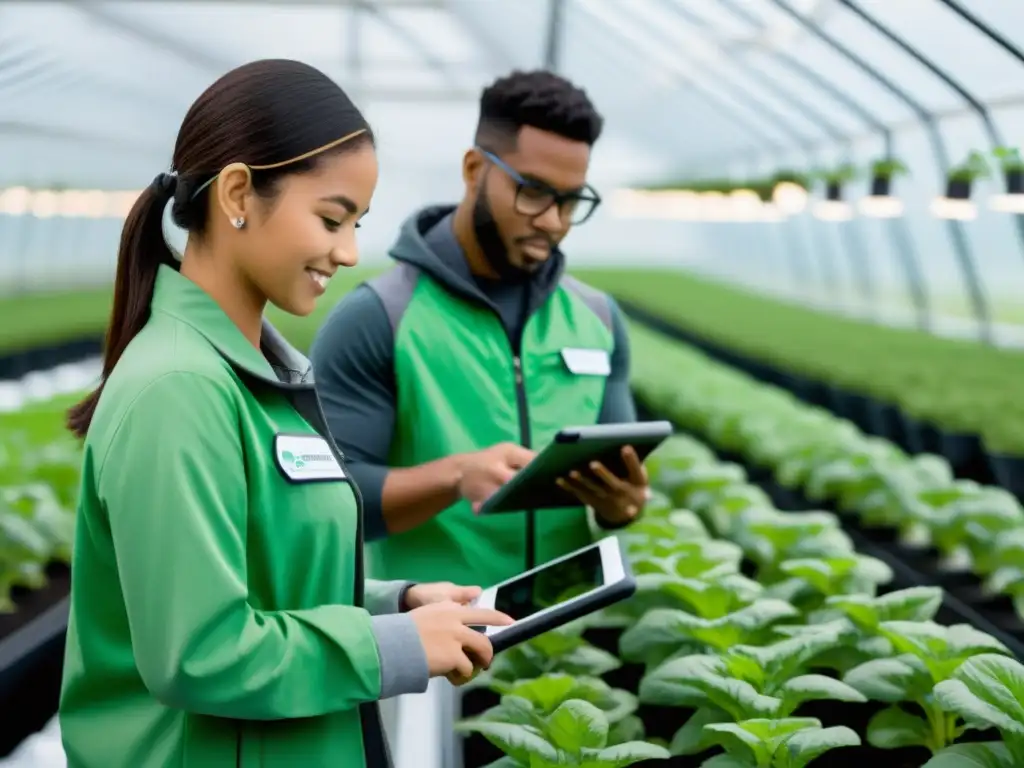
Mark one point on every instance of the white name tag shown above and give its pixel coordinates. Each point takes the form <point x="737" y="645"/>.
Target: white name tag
<point x="306" y="458"/>
<point x="587" y="362"/>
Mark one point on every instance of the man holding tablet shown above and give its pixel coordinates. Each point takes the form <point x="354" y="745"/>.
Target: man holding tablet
<point x="439" y="377"/>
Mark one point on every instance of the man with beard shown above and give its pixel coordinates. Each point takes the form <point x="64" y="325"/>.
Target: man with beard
<point x="438" y="376"/>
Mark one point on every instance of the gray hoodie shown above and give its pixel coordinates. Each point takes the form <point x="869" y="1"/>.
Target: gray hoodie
<point x="353" y="352"/>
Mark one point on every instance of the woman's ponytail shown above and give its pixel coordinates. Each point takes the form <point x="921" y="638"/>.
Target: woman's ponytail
<point x="142" y="251"/>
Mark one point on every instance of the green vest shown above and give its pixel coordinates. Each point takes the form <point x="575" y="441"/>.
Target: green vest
<point x="461" y="389"/>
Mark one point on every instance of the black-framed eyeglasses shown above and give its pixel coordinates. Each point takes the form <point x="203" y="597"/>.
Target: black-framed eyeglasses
<point x="534" y="198"/>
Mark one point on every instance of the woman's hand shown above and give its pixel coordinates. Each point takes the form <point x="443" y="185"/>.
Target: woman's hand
<point x="419" y="595"/>
<point x="453" y="648"/>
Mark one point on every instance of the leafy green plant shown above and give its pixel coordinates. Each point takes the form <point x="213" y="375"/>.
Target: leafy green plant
<point x="987" y="691"/>
<point x="787" y="743"/>
<point x="928" y="655"/>
<point x="1009" y="158"/>
<point x="544" y="694"/>
<point x="975" y="166"/>
<point x="889" y="168"/>
<point x="562" y="650"/>
<point x="744" y="682"/>
<point x="663" y="631"/>
<point x="574" y="734"/>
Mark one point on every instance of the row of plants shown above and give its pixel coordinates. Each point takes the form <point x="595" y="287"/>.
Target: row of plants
<point x="757" y="639"/>
<point x="40" y="465"/>
<point x="968" y="536"/>
<point x="957" y="386"/>
<point x="880" y="173"/>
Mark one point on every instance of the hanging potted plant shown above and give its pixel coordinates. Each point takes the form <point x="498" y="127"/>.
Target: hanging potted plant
<point x="1012" y="165"/>
<point x="834" y="207"/>
<point x="956" y="203"/>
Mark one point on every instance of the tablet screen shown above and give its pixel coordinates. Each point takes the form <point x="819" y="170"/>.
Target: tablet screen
<point x="551" y="585"/>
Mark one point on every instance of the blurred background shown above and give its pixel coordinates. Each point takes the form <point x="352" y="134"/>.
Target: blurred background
<point x="847" y="160"/>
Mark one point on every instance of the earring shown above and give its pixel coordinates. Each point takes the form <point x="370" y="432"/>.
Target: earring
<point x="239" y="222"/>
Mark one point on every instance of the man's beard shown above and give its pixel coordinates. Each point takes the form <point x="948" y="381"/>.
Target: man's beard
<point x="491" y="244"/>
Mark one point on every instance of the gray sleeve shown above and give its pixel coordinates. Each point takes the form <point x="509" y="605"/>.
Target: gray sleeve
<point x="403" y="661"/>
<point x="381" y="597"/>
<point x="618" y="406"/>
<point x="352" y="358"/>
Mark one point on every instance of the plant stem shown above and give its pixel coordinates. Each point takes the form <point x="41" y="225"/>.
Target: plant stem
<point x="937" y="722"/>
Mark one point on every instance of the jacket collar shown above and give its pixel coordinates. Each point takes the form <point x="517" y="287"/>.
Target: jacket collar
<point x="177" y="296"/>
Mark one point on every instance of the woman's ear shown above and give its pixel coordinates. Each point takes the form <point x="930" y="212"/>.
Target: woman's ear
<point x="234" y="192"/>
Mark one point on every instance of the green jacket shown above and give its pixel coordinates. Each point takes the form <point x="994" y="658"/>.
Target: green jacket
<point x="459" y="379"/>
<point x="218" y="613"/>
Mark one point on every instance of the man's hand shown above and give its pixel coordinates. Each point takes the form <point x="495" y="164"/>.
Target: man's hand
<point x="616" y="500"/>
<point x="419" y="595"/>
<point x="484" y="472"/>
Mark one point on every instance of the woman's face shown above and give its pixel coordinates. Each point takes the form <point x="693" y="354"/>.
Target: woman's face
<point x="297" y="241"/>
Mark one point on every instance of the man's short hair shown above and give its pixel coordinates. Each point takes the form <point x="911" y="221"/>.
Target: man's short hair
<point x="540" y="99"/>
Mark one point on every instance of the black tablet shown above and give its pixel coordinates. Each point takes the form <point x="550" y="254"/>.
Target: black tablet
<point x="534" y="486"/>
<point x="560" y="591"/>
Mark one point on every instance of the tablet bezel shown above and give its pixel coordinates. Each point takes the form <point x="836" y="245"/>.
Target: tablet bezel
<point x="585" y="444"/>
<point x="613" y="567"/>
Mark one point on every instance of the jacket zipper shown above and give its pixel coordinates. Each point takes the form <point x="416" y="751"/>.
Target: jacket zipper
<point x="525" y="438"/>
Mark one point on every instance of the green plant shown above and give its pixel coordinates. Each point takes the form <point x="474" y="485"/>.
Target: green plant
<point x="574" y="734"/>
<point x="1009" y="158"/>
<point x="987" y="691"/>
<point x="889" y="168"/>
<point x="975" y="166"/>
<point x="787" y="743"/>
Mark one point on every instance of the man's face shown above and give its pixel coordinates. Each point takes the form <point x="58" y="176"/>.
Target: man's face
<point x="513" y="241"/>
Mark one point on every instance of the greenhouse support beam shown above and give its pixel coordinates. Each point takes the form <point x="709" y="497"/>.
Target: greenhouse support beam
<point x="859" y="266"/>
<point x="737" y="116"/>
<point x="899" y="233"/>
<point x="989" y="32"/>
<point x="554" y="35"/>
<point x="961" y="248"/>
<point x="972" y="101"/>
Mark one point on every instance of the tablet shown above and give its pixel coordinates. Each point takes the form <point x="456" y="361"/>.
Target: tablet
<point x="534" y="486"/>
<point x="560" y="591"/>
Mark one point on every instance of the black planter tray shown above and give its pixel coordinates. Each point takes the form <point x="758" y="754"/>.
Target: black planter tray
<point x="32" y="658"/>
<point x="14" y="365"/>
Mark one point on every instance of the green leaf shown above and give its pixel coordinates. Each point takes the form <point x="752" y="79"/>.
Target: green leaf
<point x="913" y="604"/>
<point x="692" y="739"/>
<point x="520" y="742"/>
<point x="807" y="745"/>
<point x="622" y="755"/>
<point x="988" y="690"/>
<point x="891" y="680"/>
<point x="803" y="688"/>
<point x="545" y="692"/>
<point x="629" y="728"/>
<point x="990" y="754"/>
<point x="577" y="725"/>
<point x="893" y="728"/>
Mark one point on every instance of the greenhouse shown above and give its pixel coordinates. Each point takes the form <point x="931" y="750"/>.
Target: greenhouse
<point x="803" y="224"/>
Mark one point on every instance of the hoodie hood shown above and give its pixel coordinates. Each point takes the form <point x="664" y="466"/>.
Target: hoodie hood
<point x="427" y="241"/>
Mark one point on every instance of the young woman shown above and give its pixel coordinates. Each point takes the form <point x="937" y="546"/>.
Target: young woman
<point x="219" y="615"/>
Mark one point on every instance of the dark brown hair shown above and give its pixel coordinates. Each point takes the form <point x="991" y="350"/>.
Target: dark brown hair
<point x="261" y="113"/>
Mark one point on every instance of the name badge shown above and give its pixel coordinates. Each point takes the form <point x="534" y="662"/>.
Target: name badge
<point x="306" y="458"/>
<point x="587" y="362"/>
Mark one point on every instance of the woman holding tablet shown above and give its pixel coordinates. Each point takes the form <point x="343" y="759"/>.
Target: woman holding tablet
<point x="219" y="614"/>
